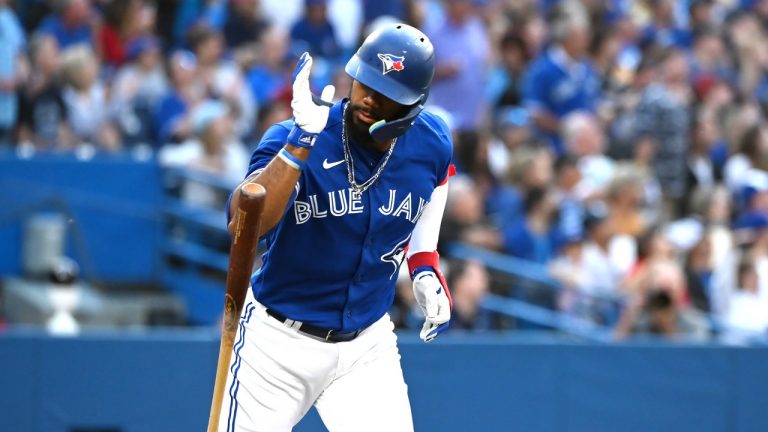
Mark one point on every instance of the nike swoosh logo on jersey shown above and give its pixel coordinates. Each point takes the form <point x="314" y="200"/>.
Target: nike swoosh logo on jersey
<point x="329" y="165"/>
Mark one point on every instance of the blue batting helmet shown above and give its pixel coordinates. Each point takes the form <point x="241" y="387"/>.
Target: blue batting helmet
<point x="398" y="61"/>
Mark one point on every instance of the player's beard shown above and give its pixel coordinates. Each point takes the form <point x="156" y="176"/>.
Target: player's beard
<point x="357" y="131"/>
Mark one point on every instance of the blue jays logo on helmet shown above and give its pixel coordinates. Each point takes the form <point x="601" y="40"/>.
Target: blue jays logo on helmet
<point x="391" y="62"/>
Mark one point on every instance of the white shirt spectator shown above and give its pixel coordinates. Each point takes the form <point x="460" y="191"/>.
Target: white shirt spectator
<point x="86" y="111"/>
<point x="748" y="312"/>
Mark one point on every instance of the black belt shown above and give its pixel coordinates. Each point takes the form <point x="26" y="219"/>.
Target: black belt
<point x="319" y="333"/>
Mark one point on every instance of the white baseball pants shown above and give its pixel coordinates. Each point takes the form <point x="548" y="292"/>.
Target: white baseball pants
<point x="277" y="374"/>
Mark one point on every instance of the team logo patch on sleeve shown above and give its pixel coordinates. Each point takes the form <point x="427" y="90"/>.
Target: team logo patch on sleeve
<point x="391" y="62"/>
<point x="396" y="255"/>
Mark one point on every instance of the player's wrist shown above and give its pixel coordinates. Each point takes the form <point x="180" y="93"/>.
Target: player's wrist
<point x="300" y="138"/>
<point x="291" y="160"/>
<point x="421" y="269"/>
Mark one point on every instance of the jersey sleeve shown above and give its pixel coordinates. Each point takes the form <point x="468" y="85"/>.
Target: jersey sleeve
<point x="446" y="168"/>
<point x="273" y="140"/>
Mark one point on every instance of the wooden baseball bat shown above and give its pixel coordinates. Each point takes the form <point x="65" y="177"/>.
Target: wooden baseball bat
<point x="242" y="253"/>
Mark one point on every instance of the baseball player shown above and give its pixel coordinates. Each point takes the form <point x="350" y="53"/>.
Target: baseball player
<point x="353" y="189"/>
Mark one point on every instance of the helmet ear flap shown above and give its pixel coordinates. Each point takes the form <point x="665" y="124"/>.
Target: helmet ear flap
<point x="383" y="130"/>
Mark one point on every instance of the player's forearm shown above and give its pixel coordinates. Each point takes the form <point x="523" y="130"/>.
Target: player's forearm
<point x="279" y="179"/>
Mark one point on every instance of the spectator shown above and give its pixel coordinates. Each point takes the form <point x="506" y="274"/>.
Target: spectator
<point x="124" y="21"/>
<point x="567" y="178"/>
<point x="698" y="273"/>
<point x="171" y="117"/>
<point x="653" y="250"/>
<point x="710" y="211"/>
<point x="642" y="164"/>
<point x="196" y="14"/>
<point x="505" y="81"/>
<point x="86" y="98"/>
<point x="569" y="269"/>
<point x="625" y="198"/>
<point x="213" y="149"/>
<point x="748" y="311"/>
<point x="462" y="53"/>
<point x="464" y="219"/>
<point x="752" y="154"/>
<point x="753" y="194"/>
<point x="137" y="90"/>
<point x="604" y="49"/>
<point x="656" y="313"/>
<point x="753" y="231"/>
<point x="603" y="275"/>
<point x="561" y="79"/>
<point x="701" y="172"/>
<point x="12" y="41"/>
<point x="470" y="283"/>
<point x="709" y="56"/>
<point x="750" y="235"/>
<point x="271" y="113"/>
<point x="316" y="30"/>
<point x="663" y="31"/>
<point x="700" y="14"/>
<point x="747" y="37"/>
<point x="44" y="117"/>
<point x="244" y="24"/>
<point x="512" y="132"/>
<point x="222" y="79"/>
<point x="664" y="116"/>
<point x="70" y="24"/>
<point x="536" y="238"/>
<point x="584" y="139"/>
<point x="270" y="75"/>
<point x="530" y="167"/>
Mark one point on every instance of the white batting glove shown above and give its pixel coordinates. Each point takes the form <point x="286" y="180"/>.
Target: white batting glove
<point x="433" y="300"/>
<point x="310" y="114"/>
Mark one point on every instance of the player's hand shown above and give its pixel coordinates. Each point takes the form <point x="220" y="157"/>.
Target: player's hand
<point x="310" y="113"/>
<point x="434" y="302"/>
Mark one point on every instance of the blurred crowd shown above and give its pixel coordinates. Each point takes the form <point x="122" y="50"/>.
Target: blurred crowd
<point x="619" y="145"/>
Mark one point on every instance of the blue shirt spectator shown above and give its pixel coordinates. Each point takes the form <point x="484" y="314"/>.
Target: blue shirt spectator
<point x="71" y="26"/>
<point x="191" y="13"/>
<point x="557" y="84"/>
<point x="535" y="238"/>
<point x="171" y="113"/>
<point x="12" y="43"/>
<point x="316" y="30"/>
<point x="244" y="23"/>
<point x="523" y="242"/>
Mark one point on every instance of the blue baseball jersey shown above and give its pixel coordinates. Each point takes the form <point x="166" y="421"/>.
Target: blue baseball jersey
<point x="333" y="259"/>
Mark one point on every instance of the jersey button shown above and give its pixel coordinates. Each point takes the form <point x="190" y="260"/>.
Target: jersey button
<point x="349" y="314"/>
